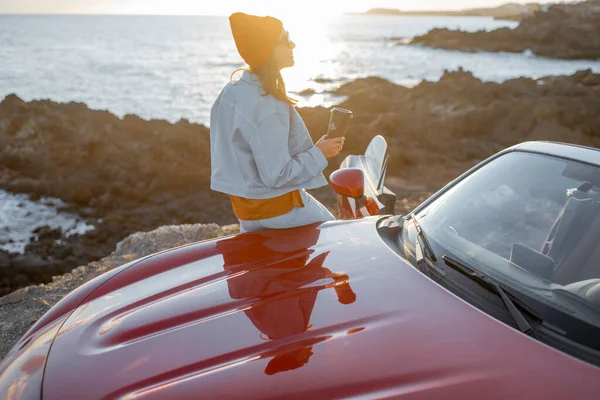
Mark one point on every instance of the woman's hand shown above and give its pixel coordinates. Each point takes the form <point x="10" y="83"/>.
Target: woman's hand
<point x="330" y="147"/>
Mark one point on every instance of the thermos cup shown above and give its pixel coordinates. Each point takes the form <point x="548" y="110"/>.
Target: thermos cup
<point x="339" y="121"/>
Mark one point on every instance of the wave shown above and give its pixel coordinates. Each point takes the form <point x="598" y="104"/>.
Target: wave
<point x="225" y="64"/>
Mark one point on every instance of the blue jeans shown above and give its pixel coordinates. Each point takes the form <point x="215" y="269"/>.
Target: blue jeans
<point x="312" y="212"/>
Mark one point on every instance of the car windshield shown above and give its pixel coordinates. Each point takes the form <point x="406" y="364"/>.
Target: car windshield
<point x="530" y="221"/>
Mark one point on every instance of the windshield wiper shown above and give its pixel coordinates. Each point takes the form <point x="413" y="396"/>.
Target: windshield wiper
<point x="482" y="279"/>
<point x="421" y="235"/>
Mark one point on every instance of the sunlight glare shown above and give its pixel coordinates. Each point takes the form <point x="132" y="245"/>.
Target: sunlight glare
<point x="309" y="31"/>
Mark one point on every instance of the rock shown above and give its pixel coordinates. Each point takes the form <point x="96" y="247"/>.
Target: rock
<point x="567" y="31"/>
<point x="307" y="92"/>
<point x="135" y="175"/>
<point x="12" y="297"/>
<point x="165" y="237"/>
<point x="230" y="229"/>
<point x="437" y="130"/>
<point x="321" y="79"/>
<point x="45" y="232"/>
<point x="106" y="162"/>
<point x="547" y="130"/>
<point x="4" y="259"/>
<point x="28" y="262"/>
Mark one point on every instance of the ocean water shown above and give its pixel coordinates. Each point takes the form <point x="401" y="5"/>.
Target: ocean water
<point x="174" y="67"/>
<point x="19" y="217"/>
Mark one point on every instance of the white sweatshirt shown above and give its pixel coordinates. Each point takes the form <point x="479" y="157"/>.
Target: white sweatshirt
<point x="260" y="147"/>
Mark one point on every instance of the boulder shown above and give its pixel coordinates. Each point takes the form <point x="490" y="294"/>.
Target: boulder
<point x="567" y="31"/>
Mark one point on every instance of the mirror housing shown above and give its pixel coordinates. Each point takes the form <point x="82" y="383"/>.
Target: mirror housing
<point x="349" y="182"/>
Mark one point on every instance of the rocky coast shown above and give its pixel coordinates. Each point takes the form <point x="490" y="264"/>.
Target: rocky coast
<point x="566" y="31"/>
<point x="510" y="11"/>
<point x="130" y="175"/>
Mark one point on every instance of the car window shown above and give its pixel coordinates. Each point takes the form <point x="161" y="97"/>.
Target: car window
<point x="539" y="212"/>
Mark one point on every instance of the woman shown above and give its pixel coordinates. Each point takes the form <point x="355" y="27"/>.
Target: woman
<point x="262" y="155"/>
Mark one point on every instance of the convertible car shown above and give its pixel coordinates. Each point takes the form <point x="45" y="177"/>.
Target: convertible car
<point x="489" y="289"/>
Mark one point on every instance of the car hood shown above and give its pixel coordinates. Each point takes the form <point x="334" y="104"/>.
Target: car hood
<point x="319" y="311"/>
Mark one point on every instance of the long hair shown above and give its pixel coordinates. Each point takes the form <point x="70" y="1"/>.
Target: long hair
<point x="271" y="81"/>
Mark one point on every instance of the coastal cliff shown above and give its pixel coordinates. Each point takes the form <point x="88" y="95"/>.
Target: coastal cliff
<point x="510" y="11"/>
<point x="566" y="31"/>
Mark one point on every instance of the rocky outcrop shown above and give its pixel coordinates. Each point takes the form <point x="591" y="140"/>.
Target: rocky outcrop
<point x="48" y="255"/>
<point x="121" y="169"/>
<point x="512" y="11"/>
<point x="138" y="175"/>
<point x="437" y="130"/>
<point x="122" y="175"/>
<point x="20" y="309"/>
<point x="568" y="31"/>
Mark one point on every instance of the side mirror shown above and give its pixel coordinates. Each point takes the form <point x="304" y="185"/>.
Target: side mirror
<point x="349" y="182"/>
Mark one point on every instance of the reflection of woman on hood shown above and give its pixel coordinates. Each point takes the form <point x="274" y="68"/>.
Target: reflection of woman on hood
<point x="278" y="275"/>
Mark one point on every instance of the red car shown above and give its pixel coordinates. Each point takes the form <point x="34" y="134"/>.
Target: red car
<point x="489" y="289"/>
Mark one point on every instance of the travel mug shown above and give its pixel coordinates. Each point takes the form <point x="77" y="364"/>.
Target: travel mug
<point x="339" y="121"/>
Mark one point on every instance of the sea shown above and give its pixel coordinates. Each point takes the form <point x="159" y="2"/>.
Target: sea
<point x="20" y="217"/>
<point x="173" y="67"/>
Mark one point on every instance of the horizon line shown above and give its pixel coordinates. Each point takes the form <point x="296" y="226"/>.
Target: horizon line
<point x="211" y="15"/>
<point x="111" y="15"/>
<point x="199" y="15"/>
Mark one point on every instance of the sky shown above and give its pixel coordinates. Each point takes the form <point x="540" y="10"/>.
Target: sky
<point x="226" y="7"/>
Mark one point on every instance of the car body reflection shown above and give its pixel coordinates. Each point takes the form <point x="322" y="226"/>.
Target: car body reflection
<point x="285" y="289"/>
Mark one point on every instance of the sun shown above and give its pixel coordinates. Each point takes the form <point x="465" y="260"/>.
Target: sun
<point x="304" y="13"/>
<point x="307" y="17"/>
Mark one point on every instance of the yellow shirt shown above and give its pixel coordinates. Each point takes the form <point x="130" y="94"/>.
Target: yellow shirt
<point x="255" y="209"/>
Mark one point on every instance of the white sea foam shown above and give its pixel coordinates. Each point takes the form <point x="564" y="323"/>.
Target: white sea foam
<point x="19" y="217"/>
